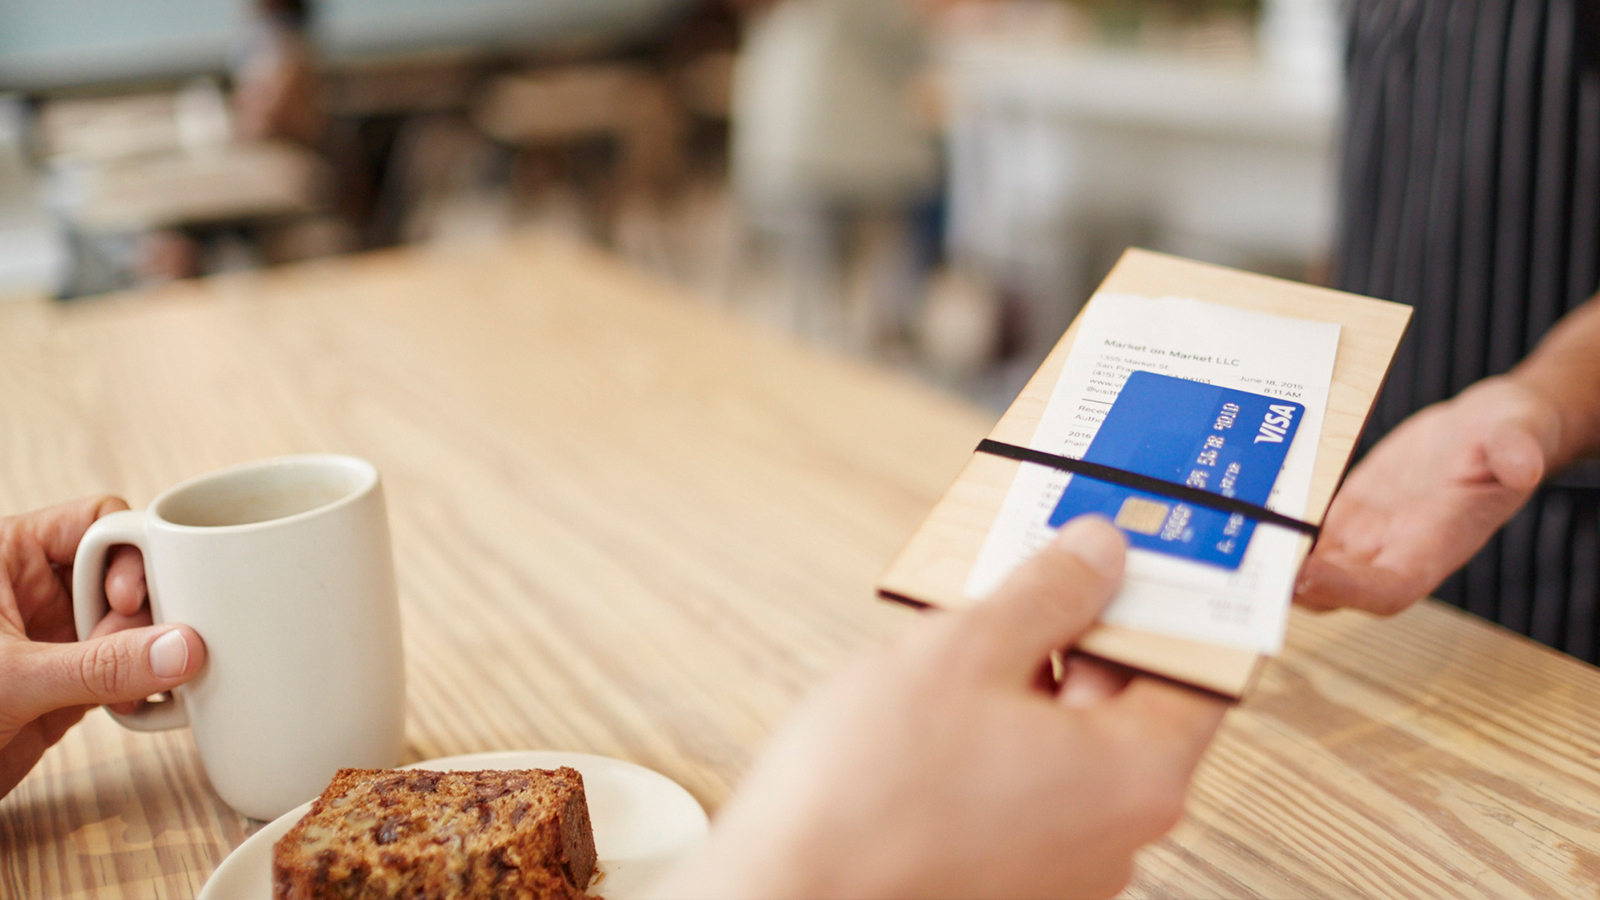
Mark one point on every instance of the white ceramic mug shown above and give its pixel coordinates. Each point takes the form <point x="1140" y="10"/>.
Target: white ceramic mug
<point x="283" y="567"/>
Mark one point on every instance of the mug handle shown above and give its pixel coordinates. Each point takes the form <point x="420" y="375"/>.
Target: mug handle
<point x="89" y="603"/>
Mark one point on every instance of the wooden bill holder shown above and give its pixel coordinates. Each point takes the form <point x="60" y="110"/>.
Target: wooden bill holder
<point x="932" y="568"/>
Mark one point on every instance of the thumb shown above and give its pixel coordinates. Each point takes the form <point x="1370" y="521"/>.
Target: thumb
<point x="1051" y="600"/>
<point x="121" y="667"/>
<point x="1329" y="581"/>
<point x="1515" y="457"/>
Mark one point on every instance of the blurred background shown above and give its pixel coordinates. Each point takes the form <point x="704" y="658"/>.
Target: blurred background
<point x="936" y="185"/>
<point x="933" y="185"/>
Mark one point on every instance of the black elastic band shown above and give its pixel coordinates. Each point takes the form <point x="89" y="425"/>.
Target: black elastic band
<point x="1151" y="485"/>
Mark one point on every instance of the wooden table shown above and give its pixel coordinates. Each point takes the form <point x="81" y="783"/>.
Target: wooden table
<point x="627" y="526"/>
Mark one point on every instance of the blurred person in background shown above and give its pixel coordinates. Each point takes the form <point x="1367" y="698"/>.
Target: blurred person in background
<point x="830" y="162"/>
<point x="275" y="88"/>
<point x="276" y="97"/>
<point x="1471" y="190"/>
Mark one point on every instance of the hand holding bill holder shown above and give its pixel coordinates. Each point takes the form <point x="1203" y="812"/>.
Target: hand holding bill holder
<point x="951" y="763"/>
<point x="1428" y="496"/>
<point x="1434" y="490"/>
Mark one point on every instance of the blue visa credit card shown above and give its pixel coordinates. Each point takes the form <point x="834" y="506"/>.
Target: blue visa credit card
<point x="1216" y="439"/>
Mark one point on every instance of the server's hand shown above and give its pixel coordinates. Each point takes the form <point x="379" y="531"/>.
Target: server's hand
<point x="1428" y="496"/>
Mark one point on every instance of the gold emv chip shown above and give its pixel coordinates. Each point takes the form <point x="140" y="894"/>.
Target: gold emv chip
<point x="1142" y="516"/>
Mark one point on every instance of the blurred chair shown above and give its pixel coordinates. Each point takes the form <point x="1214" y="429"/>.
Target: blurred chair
<point x="628" y="104"/>
<point x="444" y="182"/>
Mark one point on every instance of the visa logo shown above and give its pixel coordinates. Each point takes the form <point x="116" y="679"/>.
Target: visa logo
<point x="1276" y="424"/>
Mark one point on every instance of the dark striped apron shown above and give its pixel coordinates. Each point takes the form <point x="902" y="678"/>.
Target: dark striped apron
<point x="1471" y="190"/>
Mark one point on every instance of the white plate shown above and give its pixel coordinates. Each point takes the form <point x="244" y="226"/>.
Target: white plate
<point x="643" y="822"/>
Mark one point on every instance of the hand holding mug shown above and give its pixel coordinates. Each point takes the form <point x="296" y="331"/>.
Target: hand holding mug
<point x="49" y="679"/>
<point x="283" y="566"/>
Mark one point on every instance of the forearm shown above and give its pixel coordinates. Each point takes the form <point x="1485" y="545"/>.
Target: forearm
<point x="1565" y="370"/>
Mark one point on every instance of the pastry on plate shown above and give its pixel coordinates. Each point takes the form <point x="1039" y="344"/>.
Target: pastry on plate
<point x="381" y="833"/>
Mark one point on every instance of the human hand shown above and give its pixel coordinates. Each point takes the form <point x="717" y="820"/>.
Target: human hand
<point x="1428" y="496"/>
<point x="49" y="679"/>
<point x="950" y="763"/>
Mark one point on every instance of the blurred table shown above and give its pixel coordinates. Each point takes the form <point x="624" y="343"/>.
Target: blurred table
<point x="166" y="159"/>
<point x="244" y="182"/>
<point x="625" y="525"/>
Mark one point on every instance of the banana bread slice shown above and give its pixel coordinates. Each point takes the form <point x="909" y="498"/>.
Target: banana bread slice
<point x="391" y="833"/>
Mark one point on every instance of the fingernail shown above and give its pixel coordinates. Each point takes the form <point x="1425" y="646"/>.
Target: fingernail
<point x="169" y="655"/>
<point x="123" y="582"/>
<point x="1096" y="541"/>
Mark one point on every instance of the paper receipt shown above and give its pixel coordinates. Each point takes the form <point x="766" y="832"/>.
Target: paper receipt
<point x="1240" y="600"/>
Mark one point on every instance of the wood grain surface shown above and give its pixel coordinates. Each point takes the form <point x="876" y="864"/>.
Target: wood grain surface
<point x="1429" y="756"/>
<point x="625" y="525"/>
